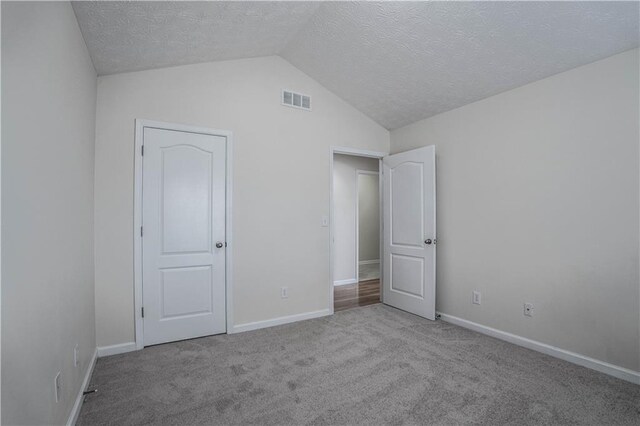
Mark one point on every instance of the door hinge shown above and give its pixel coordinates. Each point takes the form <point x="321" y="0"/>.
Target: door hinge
<point x="143" y="312"/>
<point x="142" y="150"/>
<point x="141" y="233"/>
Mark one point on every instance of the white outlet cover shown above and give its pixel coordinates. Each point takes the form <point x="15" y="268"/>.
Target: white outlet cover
<point x="76" y="356"/>
<point x="284" y="292"/>
<point x="476" y="299"/>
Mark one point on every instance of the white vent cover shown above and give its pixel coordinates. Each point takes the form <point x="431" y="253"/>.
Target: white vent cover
<point x="296" y="100"/>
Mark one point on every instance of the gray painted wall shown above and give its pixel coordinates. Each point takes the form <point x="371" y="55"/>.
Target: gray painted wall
<point x="48" y="131"/>
<point x="368" y="217"/>
<point x="280" y="180"/>
<point x="538" y="202"/>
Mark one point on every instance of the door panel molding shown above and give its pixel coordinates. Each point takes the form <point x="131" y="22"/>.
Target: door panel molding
<point x="140" y="125"/>
<point x="406" y="261"/>
<point x="409" y="217"/>
<point x="398" y="176"/>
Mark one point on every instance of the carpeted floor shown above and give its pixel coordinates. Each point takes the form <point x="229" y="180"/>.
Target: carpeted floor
<point x="372" y="365"/>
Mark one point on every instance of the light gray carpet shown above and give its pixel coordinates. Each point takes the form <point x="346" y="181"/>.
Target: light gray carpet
<point x="372" y="365"/>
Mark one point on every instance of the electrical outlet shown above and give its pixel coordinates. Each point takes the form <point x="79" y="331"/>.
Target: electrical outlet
<point x="76" y="356"/>
<point x="57" y="383"/>
<point x="528" y="309"/>
<point x="284" y="292"/>
<point x="476" y="299"/>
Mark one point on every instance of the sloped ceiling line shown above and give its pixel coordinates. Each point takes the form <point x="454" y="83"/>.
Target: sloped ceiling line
<point x="397" y="62"/>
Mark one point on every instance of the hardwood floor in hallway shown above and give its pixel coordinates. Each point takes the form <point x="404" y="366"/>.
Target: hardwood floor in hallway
<point x="353" y="295"/>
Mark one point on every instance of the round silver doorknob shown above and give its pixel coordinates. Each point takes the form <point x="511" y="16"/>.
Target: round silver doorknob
<point x="219" y="245"/>
<point x="428" y="241"/>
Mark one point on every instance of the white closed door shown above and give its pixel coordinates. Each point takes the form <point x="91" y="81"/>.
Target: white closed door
<point x="183" y="235"/>
<point x="409" y="222"/>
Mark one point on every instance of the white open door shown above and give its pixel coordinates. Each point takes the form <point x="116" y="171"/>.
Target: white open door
<point x="409" y="218"/>
<point x="183" y="244"/>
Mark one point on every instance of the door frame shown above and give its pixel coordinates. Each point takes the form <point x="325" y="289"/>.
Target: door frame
<point x="140" y="124"/>
<point x="356" y="152"/>
<point x="358" y="173"/>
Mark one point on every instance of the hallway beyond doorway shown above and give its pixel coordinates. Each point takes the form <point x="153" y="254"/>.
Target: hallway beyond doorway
<point x="369" y="271"/>
<point x="354" y="295"/>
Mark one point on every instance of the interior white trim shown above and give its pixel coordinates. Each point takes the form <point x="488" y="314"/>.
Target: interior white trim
<point x="575" y="358"/>
<point x="229" y="231"/>
<point x="345" y="282"/>
<point x="279" y="321"/>
<point x="358" y="153"/>
<point x="75" y="411"/>
<point x="120" y="348"/>
<point x="369" y="262"/>
<point x="137" y="239"/>
<point x="137" y="218"/>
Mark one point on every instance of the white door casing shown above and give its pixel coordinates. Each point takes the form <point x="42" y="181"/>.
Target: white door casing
<point x="409" y="231"/>
<point x="183" y="218"/>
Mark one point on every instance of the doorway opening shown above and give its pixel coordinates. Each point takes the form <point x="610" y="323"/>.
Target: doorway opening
<point x="407" y="219"/>
<point x="368" y="225"/>
<point x="356" y="230"/>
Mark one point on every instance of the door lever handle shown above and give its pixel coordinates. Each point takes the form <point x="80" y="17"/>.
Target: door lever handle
<point x="428" y="241"/>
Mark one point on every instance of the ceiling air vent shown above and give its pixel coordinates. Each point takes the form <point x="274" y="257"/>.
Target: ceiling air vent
<point x="296" y="100"/>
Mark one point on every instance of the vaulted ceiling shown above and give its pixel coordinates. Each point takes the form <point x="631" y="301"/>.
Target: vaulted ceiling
<point x="397" y="62"/>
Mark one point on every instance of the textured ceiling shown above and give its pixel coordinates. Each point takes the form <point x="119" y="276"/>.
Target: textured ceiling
<point x="397" y="62"/>
<point x="132" y="36"/>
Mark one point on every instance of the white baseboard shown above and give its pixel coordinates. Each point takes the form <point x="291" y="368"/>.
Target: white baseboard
<point x="369" y="262"/>
<point x="75" y="411"/>
<point x="585" y="361"/>
<point x="278" y="321"/>
<point x="116" y="349"/>
<point x="345" y="282"/>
